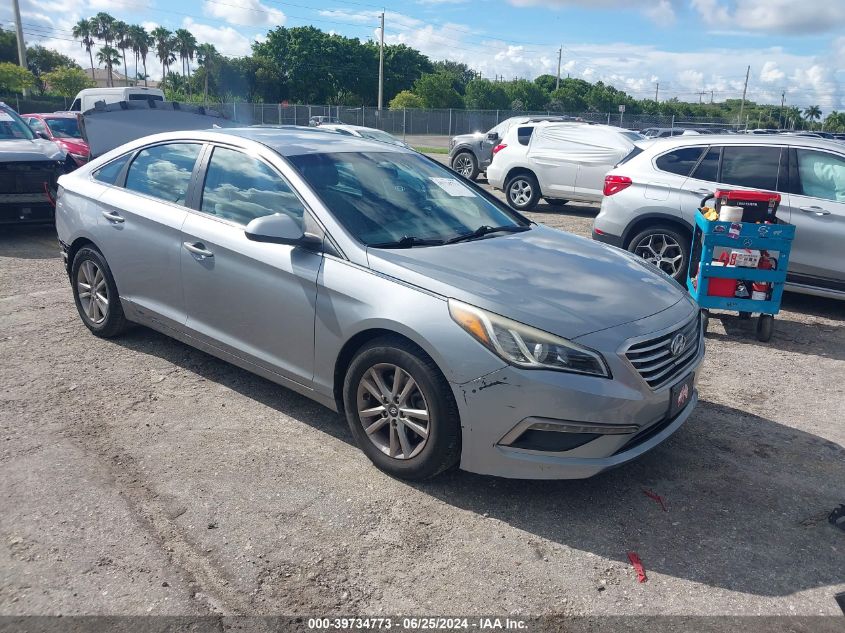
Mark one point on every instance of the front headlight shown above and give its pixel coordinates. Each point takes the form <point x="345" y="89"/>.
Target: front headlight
<point x="526" y="346"/>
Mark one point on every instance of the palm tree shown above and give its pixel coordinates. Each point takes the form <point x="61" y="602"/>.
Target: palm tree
<point x="135" y="34"/>
<point x="102" y="27"/>
<point x="109" y="57"/>
<point x="812" y="113"/>
<point x="145" y="41"/>
<point x="206" y="57"/>
<point x="82" y="32"/>
<point x="186" y="45"/>
<point x="121" y="36"/>
<point x="164" y="44"/>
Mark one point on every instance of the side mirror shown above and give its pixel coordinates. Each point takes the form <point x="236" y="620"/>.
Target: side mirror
<point x="281" y="229"/>
<point x="42" y="135"/>
<point x="493" y="136"/>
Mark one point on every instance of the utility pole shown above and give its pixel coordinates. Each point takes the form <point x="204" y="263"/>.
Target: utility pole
<point x="380" y="65"/>
<point x="711" y="97"/>
<point x="780" y="114"/>
<point x="744" y="91"/>
<point x="559" y="56"/>
<point x="700" y="96"/>
<point x="656" y="91"/>
<point x="21" y="43"/>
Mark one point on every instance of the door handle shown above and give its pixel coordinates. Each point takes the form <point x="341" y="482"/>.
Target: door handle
<point x="817" y="210"/>
<point x="700" y="192"/>
<point x="113" y="216"/>
<point x="198" y="248"/>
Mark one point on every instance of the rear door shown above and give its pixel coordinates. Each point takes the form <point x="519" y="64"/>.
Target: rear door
<point x="551" y="158"/>
<point x="252" y="299"/>
<point x="816" y="206"/>
<point x="667" y="183"/>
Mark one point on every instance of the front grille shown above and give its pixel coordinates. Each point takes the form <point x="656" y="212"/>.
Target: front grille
<point x="27" y="177"/>
<point x="654" y="360"/>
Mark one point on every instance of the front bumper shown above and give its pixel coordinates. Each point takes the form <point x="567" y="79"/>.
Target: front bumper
<point x="493" y="406"/>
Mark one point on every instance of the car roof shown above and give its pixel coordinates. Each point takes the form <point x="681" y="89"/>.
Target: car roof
<point x="745" y="139"/>
<point x="302" y="140"/>
<point x="52" y="115"/>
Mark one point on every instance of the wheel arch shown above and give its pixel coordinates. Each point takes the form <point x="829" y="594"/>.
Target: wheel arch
<point x="653" y="219"/>
<point x="516" y="171"/>
<point x="75" y="247"/>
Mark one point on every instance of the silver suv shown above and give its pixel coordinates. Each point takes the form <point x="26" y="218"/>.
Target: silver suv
<point x="651" y="197"/>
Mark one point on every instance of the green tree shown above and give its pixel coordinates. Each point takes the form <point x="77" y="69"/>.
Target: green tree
<point x="483" y="94"/>
<point x="109" y="57"/>
<point x="8" y="46"/>
<point x="207" y="59"/>
<point x="526" y="94"/>
<point x="437" y="91"/>
<point x="164" y="47"/>
<point x="14" y="79"/>
<point x="812" y="113"/>
<point x="546" y="83"/>
<point x="42" y="60"/>
<point x="67" y="81"/>
<point x="405" y="99"/>
<point x="102" y="27"/>
<point x="122" y="42"/>
<point x="83" y="32"/>
<point x="139" y="39"/>
<point x="461" y="73"/>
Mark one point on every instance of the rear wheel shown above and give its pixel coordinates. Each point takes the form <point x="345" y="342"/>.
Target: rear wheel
<point x="465" y="164"/>
<point x="664" y="246"/>
<point x="401" y="411"/>
<point x="95" y="294"/>
<point x="522" y="191"/>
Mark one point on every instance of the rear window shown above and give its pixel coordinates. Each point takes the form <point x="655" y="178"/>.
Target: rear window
<point x="523" y="135"/>
<point x="634" y="152"/>
<point x="145" y="97"/>
<point x="679" y="161"/>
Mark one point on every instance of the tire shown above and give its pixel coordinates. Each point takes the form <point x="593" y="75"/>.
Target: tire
<point x="466" y="165"/>
<point x="522" y="191"/>
<point x="765" y="327"/>
<point x="418" y="456"/>
<point x="650" y="241"/>
<point x="705" y="320"/>
<point x="556" y="202"/>
<point x="105" y="319"/>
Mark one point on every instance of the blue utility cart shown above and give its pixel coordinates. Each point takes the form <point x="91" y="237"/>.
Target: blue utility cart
<point x="739" y="235"/>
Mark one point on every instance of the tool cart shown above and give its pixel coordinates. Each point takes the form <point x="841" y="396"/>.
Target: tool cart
<point x="740" y="264"/>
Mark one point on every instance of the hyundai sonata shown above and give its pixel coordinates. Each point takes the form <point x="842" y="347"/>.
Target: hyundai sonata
<point x="447" y="329"/>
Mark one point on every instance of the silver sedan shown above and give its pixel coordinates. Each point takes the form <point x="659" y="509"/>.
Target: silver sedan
<point x="446" y="328"/>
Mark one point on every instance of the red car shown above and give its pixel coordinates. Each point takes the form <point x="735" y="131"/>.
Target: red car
<point x="63" y="129"/>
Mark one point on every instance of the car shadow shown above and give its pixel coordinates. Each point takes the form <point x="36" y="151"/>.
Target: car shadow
<point x="809" y="304"/>
<point x="36" y="241"/>
<point x="570" y="208"/>
<point x="811" y="339"/>
<point x="746" y="497"/>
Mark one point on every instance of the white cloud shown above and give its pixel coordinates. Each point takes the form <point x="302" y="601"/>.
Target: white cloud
<point x="246" y="13"/>
<point x="791" y="17"/>
<point x="661" y="12"/>
<point x="227" y="40"/>
<point x="771" y="73"/>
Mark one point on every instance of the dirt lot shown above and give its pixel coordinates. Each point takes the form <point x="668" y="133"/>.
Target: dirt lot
<point x="139" y="476"/>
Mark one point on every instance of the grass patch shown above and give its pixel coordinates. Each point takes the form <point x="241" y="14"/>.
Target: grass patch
<point x="432" y="150"/>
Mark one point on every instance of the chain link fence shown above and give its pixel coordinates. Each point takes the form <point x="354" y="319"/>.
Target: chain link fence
<point x="418" y="122"/>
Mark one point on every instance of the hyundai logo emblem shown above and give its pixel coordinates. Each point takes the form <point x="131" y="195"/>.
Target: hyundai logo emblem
<point x="679" y="342"/>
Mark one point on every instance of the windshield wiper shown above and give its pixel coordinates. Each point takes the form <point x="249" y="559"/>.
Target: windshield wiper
<point x="484" y="229"/>
<point x="408" y="241"/>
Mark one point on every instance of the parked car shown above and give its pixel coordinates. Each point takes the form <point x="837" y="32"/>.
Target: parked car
<point x="316" y="121"/>
<point x="470" y="154"/>
<point x="337" y="267"/>
<point x="662" y="132"/>
<point x="557" y="161"/>
<point x="363" y="132"/>
<point x="63" y="129"/>
<point x="86" y="98"/>
<point x="650" y="200"/>
<point x="29" y="167"/>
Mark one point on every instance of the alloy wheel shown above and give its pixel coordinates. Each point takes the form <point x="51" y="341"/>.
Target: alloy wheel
<point x="93" y="292"/>
<point x="520" y="192"/>
<point x="463" y="165"/>
<point x="393" y="411"/>
<point x="663" y="251"/>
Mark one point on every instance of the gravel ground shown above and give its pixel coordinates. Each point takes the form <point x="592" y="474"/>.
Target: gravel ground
<point x="140" y="476"/>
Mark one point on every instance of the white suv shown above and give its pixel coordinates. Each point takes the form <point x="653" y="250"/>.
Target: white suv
<point x="557" y="161"/>
<point x="650" y="200"/>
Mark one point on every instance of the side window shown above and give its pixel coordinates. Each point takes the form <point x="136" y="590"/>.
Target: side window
<point x="37" y="125"/>
<point x="708" y="168"/>
<point x="241" y="188"/>
<point x="163" y="171"/>
<point x="523" y="134"/>
<point x="679" y="161"/>
<point x="75" y="106"/>
<point x="109" y="172"/>
<point x="821" y="175"/>
<point x="752" y="167"/>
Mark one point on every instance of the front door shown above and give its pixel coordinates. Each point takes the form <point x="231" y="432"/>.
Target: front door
<point x="252" y="299"/>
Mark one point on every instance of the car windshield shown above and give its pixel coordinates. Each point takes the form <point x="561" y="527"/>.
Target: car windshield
<point x="378" y="135"/>
<point x="13" y="127"/>
<point x="398" y="198"/>
<point x="65" y="127"/>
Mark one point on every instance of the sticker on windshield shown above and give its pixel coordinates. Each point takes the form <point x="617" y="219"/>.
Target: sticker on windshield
<point x="453" y="187"/>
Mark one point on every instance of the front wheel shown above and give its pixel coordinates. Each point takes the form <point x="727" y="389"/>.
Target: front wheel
<point x="95" y="294"/>
<point x="465" y="164"/>
<point x="522" y="191"/>
<point x="401" y="411"/>
<point x="665" y="247"/>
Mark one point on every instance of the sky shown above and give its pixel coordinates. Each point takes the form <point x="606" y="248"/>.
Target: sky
<point x="692" y="49"/>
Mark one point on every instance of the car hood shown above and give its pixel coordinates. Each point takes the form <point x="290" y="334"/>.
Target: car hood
<point x="20" y="149"/>
<point x="468" y="138"/>
<point x="555" y="281"/>
<point x="75" y="146"/>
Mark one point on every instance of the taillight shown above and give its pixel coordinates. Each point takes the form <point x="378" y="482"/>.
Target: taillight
<point x="615" y="184"/>
<point x="499" y="148"/>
